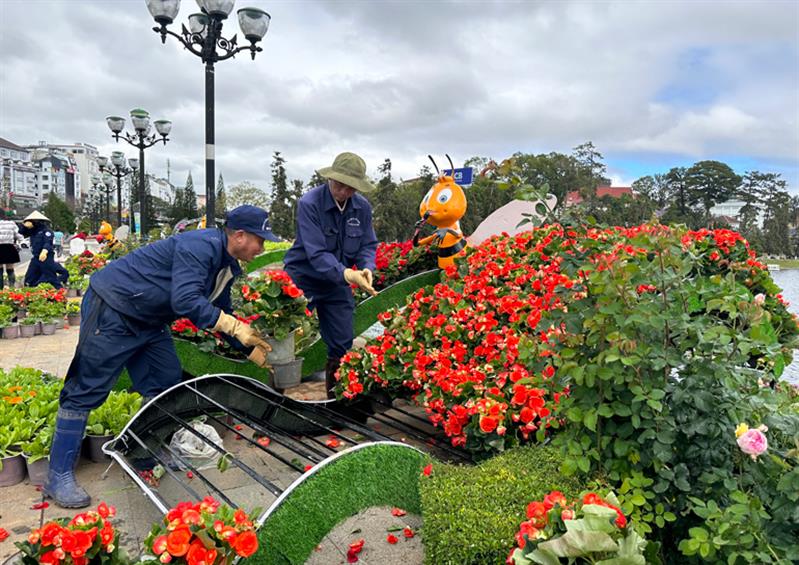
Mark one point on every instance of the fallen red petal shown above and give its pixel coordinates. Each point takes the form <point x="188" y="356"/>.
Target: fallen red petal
<point x="332" y="443"/>
<point x="3" y="534"/>
<point x="408" y="533"/>
<point x="189" y="475"/>
<point x="392" y="539"/>
<point x="398" y="512"/>
<point x="427" y="470"/>
<point x="238" y="427"/>
<point x="40" y="506"/>
<point x="308" y="467"/>
<point x="264" y="441"/>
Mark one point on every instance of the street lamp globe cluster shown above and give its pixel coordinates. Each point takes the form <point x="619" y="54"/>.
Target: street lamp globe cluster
<point x="142" y="137"/>
<point x="117" y="168"/>
<point x="204" y="39"/>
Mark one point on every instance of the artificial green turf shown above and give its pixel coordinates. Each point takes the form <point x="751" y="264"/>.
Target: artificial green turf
<point x="377" y="475"/>
<point x="471" y="514"/>
<point x="266" y="259"/>
<point x="366" y="313"/>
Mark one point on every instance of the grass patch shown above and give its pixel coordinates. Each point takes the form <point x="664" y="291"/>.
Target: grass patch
<point x="471" y="514"/>
<point x="378" y="475"/>
<point x="366" y="313"/>
<point x="783" y="263"/>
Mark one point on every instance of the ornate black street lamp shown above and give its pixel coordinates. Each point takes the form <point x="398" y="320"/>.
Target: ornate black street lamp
<point x="118" y="169"/>
<point x="203" y="38"/>
<point x="142" y="138"/>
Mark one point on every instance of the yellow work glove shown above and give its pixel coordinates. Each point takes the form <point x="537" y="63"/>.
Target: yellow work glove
<point x="28" y="224"/>
<point x="43" y="255"/>
<point x="367" y="273"/>
<point x="245" y="334"/>
<point x="258" y="356"/>
<point x="357" y="277"/>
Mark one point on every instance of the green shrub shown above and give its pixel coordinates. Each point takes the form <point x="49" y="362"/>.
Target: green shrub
<point x="471" y="514"/>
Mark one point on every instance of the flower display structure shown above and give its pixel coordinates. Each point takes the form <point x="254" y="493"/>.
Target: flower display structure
<point x="205" y="532"/>
<point x="89" y="538"/>
<point x="273" y="303"/>
<point x="483" y="351"/>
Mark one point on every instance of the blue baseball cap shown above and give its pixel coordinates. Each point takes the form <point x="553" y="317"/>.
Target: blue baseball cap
<point x="251" y="219"/>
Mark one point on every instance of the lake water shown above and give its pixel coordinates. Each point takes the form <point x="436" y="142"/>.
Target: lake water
<point x="788" y="280"/>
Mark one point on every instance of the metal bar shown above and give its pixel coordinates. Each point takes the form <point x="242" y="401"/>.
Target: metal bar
<point x="169" y="471"/>
<point x="235" y="460"/>
<point x="292" y="412"/>
<point x="196" y="471"/>
<point x="260" y="427"/>
<point x="267" y="450"/>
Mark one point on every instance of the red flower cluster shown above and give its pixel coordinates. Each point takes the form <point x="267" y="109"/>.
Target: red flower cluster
<point x="87" y="539"/>
<point x="395" y="261"/>
<point x="542" y="516"/>
<point x="205" y="533"/>
<point x="272" y="303"/>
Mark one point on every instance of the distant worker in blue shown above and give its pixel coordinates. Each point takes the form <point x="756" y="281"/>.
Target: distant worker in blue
<point x="42" y="267"/>
<point x="125" y="317"/>
<point x="334" y="248"/>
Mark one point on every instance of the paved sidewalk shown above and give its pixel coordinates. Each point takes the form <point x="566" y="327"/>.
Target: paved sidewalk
<point x="50" y="353"/>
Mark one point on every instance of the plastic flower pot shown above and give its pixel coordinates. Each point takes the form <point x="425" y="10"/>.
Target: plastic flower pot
<point x="282" y="350"/>
<point x="93" y="447"/>
<point x="13" y="471"/>
<point x="287" y="375"/>
<point x="27" y="330"/>
<point x="37" y="471"/>
<point x="73" y="319"/>
<point x="37" y="328"/>
<point x="72" y="293"/>
<point x="22" y="314"/>
<point x="11" y="332"/>
<point x="48" y="328"/>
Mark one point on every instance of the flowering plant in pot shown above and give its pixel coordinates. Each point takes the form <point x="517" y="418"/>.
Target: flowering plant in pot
<point x="89" y="538"/>
<point x="590" y="530"/>
<point x="204" y="532"/>
<point x="73" y="313"/>
<point x="110" y="418"/>
<point x="7" y="325"/>
<point x="275" y="304"/>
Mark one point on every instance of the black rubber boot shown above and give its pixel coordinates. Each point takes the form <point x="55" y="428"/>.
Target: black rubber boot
<point x="61" y="485"/>
<point x="330" y="380"/>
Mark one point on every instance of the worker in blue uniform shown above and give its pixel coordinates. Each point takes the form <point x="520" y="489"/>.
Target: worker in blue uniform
<point x="125" y="318"/>
<point x="42" y="267"/>
<point x="334" y="248"/>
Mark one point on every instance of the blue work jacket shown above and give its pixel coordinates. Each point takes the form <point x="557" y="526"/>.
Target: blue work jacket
<point x="41" y="237"/>
<point x="328" y="240"/>
<point x="169" y="279"/>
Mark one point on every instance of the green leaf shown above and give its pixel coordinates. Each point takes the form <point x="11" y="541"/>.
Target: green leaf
<point x="699" y="534"/>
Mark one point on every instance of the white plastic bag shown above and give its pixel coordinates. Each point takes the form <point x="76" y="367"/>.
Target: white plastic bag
<point x="195" y="450"/>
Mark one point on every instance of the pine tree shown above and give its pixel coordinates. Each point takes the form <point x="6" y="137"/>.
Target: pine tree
<point x="221" y="204"/>
<point x="59" y="213"/>
<point x="190" y="203"/>
<point x="280" y="213"/>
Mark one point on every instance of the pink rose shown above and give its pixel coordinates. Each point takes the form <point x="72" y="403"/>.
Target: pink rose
<point x="753" y="442"/>
<point x="760" y="299"/>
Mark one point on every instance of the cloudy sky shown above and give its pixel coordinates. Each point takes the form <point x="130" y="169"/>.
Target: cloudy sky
<point x="654" y="84"/>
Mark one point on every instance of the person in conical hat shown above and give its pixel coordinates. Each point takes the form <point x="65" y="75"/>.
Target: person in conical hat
<point x="43" y="267"/>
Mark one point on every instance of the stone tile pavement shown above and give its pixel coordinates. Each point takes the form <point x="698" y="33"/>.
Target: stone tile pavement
<point x="50" y="353"/>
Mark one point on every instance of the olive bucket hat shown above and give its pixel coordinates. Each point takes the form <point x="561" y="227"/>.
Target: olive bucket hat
<point x="349" y="169"/>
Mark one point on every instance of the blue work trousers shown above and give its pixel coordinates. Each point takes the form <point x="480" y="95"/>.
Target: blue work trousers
<point x="335" y="305"/>
<point x="110" y="341"/>
<point x="47" y="271"/>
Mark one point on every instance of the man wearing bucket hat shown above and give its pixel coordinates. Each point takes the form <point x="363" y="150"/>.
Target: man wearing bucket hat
<point x="42" y="267"/>
<point x="125" y="317"/>
<point x="335" y="247"/>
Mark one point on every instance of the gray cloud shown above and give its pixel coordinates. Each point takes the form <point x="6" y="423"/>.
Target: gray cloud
<point x="403" y="79"/>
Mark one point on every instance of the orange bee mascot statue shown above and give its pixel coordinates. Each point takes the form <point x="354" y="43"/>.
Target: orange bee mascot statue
<point x="442" y="207"/>
<point x="112" y="244"/>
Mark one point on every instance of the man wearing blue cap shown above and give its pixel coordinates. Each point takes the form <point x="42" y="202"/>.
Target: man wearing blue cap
<point x="125" y="317"/>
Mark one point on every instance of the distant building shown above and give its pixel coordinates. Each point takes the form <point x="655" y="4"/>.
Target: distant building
<point x="18" y="175"/>
<point x="58" y="174"/>
<point x="84" y="157"/>
<point x="574" y="197"/>
<point x="161" y="188"/>
<point x="732" y="209"/>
